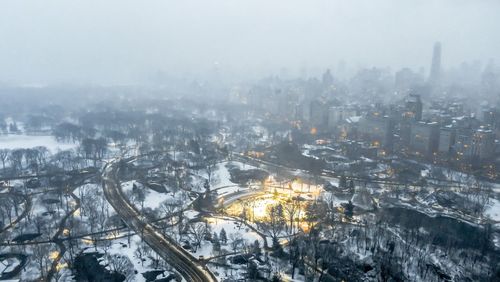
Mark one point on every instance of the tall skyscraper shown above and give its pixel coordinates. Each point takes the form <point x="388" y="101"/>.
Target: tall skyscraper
<point x="327" y="79"/>
<point x="435" y="74"/>
<point x="413" y="107"/>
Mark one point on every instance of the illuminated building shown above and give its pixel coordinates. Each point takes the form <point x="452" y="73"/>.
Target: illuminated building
<point x="447" y="137"/>
<point x="413" y="108"/>
<point x="475" y="146"/>
<point x="424" y="139"/>
<point x="378" y="131"/>
<point x="483" y="144"/>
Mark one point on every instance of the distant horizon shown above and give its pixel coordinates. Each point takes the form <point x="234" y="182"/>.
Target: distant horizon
<point x="159" y="77"/>
<point x="113" y="42"/>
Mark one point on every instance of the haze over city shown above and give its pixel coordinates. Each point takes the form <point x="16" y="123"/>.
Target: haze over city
<point x="126" y="42"/>
<point x="270" y="141"/>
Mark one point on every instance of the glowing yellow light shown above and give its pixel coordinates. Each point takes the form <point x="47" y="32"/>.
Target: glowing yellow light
<point x="255" y="154"/>
<point x="314" y="131"/>
<point x="53" y="255"/>
<point x="61" y="266"/>
<point x="256" y="209"/>
<point x="87" y="240"/>
<point x="269" y="180"/>
<point x="211" y="220"/>
<point x="66" y="232"/>
<point x="261" y="207"/>
<point x="343" y="134"/>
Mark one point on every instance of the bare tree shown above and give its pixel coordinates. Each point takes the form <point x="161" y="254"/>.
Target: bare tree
<point x="210" y="163"/>
<point x="169" y="209"/>
<point x="275" y="223"/>
<point x="197" y="232"/>
<point x="120" y="264"/>
<point x="40" y="256"/>
<point x="142" y="251"/>
<point x="42" y="155"/>
<point x="4" y="156"/>
<point x="292" y="208"/>
<point x="16" y="158"/>
<point x="31" y="157"/>
<point x="236" y="241"/>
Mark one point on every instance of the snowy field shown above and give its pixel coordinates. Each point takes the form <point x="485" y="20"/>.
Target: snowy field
<point x="221" y="180"/>
<point x="140" y="262"/>
<point x="154" y="199"/>
<point x="14" y="141"/>
<point x="493" y="210"/>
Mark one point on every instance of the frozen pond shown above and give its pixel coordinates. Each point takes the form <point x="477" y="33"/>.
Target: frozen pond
<point x="13" y="141"/>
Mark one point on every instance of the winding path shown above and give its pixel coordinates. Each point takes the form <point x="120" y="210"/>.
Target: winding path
<point x="184" y="263"/>
<point x="27" y="208"/>
<point x="56" y="238"/>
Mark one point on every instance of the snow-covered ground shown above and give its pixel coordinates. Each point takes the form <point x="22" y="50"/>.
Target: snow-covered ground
<point x="221" y="176"/>
<point x="154" y="199"/>
<point x="235" y="232"/>
<point x="233" y="228"/>
<point x="9" y="264"/>
<point x="493" y="210"/>
<point x="121" y="248"/>
<point x="13" y="141"/>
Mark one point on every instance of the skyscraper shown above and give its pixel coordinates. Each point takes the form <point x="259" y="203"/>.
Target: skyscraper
<point x="413" y="107"/>
<point x="435" y="74"/>
<point x="327" y="79"/>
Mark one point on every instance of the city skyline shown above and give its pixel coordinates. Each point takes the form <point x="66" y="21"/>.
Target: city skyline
<point x="252" y="140"/>
<point x="106" y="43"/>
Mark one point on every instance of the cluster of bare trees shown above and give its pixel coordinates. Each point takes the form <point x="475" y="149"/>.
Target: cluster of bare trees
<point x="289" y="219"/>
<point x="93" y="149"/>
<point x="121" y="264"/>
<point x="39" y="157"/>
<point x="70" y="132"/>
<point x="8" y="128"/>
<point x="9" y="207"/>
<point x="171" y="210"/>
<point x="274" y="225"/>
<point x="477" y="194"/>
<point x="94" y="207"/>
<point x="67" y="160"/>
<point x="197" y="232"/>
<point x="3" y="124"/>
<point x="396" y="252"/>
<point x="19" y="159"/>
<point x="41" y="259"/>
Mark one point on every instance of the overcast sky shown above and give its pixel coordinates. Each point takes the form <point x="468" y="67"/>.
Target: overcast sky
<point x="119" y="41"/>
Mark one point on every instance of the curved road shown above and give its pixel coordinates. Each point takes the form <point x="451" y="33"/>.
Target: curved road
<point x="27" y="208"/>
<point x="188" y="266"/>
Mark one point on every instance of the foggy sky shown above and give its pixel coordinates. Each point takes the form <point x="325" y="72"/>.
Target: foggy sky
<point x="125" y="42"/>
